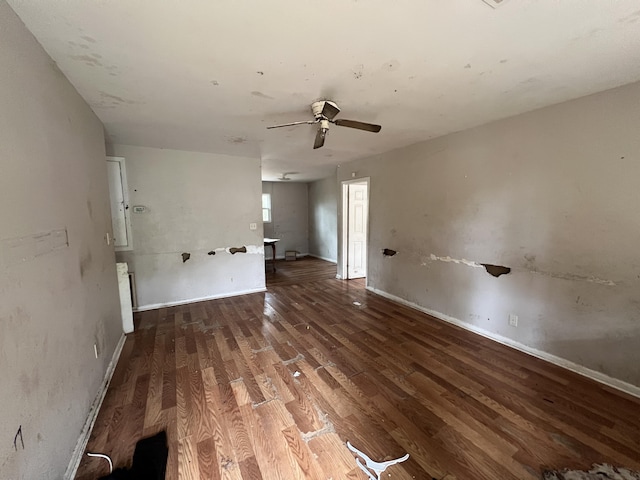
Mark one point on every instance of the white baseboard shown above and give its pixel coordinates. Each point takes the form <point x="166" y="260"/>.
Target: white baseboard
<point x="76" y="457"/>
<point x="561" y="362"/>
<point x="154" y="306"/>
<point x="332" y="260"/>
<point x="282" y="257"/>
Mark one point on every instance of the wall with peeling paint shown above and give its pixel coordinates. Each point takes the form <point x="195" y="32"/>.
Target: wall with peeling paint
<point x="323" y="219"/>
<point x="289" y="217"/>
<point x="58" y="288"/>
<point x="554" y="195"/>
<point x="195" y="203"/>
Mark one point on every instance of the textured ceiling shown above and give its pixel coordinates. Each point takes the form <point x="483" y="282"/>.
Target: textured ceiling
<point x="209" y="76"/>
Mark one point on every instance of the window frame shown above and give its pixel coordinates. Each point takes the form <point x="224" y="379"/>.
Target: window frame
<point x="266" y="208"/>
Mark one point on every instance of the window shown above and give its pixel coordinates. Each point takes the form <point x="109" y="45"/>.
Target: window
<point x="266" y="207"/>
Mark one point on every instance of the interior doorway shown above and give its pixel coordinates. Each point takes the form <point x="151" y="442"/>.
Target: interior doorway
<point x="355" y="228"/>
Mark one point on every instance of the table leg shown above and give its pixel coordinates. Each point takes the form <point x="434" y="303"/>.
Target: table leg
<point x="273" y="261"/>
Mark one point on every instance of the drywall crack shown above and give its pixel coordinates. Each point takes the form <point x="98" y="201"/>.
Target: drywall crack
<point x="577" y="278"/>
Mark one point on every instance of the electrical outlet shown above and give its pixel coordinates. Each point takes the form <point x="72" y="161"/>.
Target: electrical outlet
<point x="253" y="226"/>
<point x="513" y="320"/>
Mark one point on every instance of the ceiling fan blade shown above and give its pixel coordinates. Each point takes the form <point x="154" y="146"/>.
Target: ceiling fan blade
<point x="308" y="122"/>
<point x="369" y="127"/>
<point x="329" y="111"/>
<point x="319" y="142"/>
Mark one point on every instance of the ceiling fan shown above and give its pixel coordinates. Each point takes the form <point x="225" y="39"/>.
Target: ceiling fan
<point x="324" y="112"/>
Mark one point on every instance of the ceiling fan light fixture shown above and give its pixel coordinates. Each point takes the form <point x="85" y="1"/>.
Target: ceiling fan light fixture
<point x="324" y="112"/>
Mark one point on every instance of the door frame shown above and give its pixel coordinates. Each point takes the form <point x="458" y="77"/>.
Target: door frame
<point x="344" y="241"/>
<point x="125" y="200"/>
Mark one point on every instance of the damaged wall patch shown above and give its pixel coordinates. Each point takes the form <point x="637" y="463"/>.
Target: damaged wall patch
<point x="462" y="261"/>
<point x="496" y="270"/>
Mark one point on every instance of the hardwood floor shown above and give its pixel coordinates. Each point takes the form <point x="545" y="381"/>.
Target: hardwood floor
<point x="302" y="270"/>
<point x="272" y="385"/>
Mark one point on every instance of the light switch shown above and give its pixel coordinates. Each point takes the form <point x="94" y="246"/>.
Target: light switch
<point x="253" y="226"/>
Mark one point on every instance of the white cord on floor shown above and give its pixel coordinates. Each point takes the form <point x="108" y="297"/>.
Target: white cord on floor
<point x="103" y="456"/>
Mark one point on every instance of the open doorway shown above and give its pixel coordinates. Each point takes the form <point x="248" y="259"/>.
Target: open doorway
<point x="355" y="228"/>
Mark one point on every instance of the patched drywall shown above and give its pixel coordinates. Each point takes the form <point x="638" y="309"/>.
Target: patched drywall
<point x="58" y="287"/>
<point x="323" y="219"/>
<point x="289" y="217"/>
<point x="550" y="194"/>
<point x="195" y="204"/>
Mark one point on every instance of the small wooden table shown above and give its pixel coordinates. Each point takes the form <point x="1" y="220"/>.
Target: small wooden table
<point x="272" y="242"/>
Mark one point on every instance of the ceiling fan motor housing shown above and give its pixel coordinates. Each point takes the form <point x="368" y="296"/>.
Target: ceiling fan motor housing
<point x="324" y="113"/>
<point x="317" y="107"/>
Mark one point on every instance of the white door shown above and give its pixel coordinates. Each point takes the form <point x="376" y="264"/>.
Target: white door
<point x="357" y="230"/>
<point x="118" y="195"/>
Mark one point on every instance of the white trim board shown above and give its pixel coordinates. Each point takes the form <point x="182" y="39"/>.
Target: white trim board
<point x="548" y="357"/>
<point x="282" y="257"/>
<point x="76" y="457"/>
<point x="154" y="306"/>
<point x="330" y="260"/>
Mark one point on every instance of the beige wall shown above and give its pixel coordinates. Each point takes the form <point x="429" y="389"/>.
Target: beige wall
<point x="56" y="300"/>
<point x="323" y="219"/>
<point x="554" y="195"/>
<point x="195" y="203"/>
<point x="290" y="217"/>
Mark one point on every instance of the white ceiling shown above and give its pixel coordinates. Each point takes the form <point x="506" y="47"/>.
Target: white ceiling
<point x="210" y="75"/>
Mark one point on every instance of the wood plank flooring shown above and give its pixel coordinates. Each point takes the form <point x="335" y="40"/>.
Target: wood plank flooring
<point x="272" y="385"/>
<point x="302" y="270"/>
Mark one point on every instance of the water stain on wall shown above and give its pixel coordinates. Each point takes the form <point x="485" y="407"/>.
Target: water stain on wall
<point x="391" y="65"/>
<point x="117" y="99"/>
<point x="261" y="95"/>
<point x="29" y="383"/>
<point x="87" y="60"/>
<point x="85" y="263"/>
